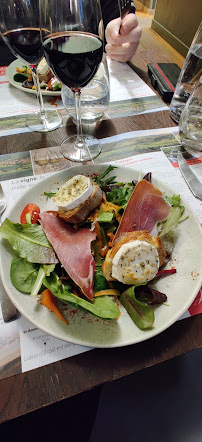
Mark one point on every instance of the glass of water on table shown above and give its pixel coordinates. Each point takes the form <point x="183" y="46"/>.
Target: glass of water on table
<point x="189" y="76"/>
<point x="190" y="124"/>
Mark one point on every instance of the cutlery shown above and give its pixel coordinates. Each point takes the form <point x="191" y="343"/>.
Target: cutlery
<point x="9" y="311"/>
<point x="124" y="8"/>
<point x="192" y="181"/>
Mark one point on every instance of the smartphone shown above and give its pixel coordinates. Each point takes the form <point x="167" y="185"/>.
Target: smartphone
<point x="164" y="78"/>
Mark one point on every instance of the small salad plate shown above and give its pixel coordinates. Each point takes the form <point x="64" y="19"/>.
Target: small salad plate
<point x="11" y="71"/>
<point x="83" y="328"/>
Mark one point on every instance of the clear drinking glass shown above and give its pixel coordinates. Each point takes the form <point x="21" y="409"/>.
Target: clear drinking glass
<point x="189" y="76"/>
<point x="73" y="46"/>
<point x="190" y="125"/>
<point x="19" y="26"/>
<point x="95" y="96"/>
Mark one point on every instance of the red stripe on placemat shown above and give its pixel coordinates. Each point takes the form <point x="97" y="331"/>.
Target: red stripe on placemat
<point x="3" y="70"/>
<point x="164" y="76"/>
<point x="2" y="82"/>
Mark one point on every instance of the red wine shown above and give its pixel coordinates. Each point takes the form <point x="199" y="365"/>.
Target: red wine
<point x="74" y="57"/>
<point x="26" y="44"/>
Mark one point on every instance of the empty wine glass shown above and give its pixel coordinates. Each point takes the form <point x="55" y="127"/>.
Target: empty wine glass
<point x="19" y="26"/>
<point x="73" y="47"/>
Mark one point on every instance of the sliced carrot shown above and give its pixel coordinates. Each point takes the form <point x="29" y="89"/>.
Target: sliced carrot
<point x="49" y="301"/>
<point x="111" y="237"/>
<point x="106" y="206"/>
<point x="117" y="303"/>
<point x="20" y="71"/>
<point x="107" y="292"/>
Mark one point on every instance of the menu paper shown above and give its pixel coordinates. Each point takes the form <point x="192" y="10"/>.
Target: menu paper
<point x="37" y="347"/>
<point x="125" y="83"/>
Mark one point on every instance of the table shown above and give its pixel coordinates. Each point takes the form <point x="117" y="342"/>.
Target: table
<point x="25" y="392"/>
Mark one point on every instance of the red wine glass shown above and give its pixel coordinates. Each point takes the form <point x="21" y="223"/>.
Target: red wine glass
<point x="19" y="26"/>
<point x="73" y="47"/>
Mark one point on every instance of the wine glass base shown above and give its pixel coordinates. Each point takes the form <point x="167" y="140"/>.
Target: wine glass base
<point x="81" y="151"/>
<point x="43" y="123"/>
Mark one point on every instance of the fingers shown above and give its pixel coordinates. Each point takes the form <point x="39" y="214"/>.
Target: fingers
<point x="112" y="30"/>
<point x="132" y="36"/>
<point x="129" y="22"/>
<point x="121" y="53"/>
<point x="129" y="29"/>
<point x="122" y="46"/>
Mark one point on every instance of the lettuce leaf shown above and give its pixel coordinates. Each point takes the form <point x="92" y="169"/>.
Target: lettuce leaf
<point x="167" y="228"/>
<point x="44" y="270"/>
<point x="29" y="241"/>
<point x="27" y="277"/>
<point x="171" y="223"/>
<point x="103" y="306"/>
<point x="141" y="314"/>
<point x="23" y="274"/>
<point x="100" y="283"/>
<point x="120" y="195"/>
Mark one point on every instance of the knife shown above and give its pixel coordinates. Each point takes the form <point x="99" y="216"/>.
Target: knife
<point x="192" y="181"/>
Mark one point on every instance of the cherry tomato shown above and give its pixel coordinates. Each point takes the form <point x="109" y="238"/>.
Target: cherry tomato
<point x="32" y="210"/>
<point x="51" y="83"/>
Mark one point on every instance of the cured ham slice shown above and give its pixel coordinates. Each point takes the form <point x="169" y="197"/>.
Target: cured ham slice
<point x="146" y="207"/>
<point x="73" y="249"/>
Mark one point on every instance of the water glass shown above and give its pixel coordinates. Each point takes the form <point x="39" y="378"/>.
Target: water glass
<point x="190" y="125"/>
<point x="95" y="96"/>
<point x="189" y="76"/>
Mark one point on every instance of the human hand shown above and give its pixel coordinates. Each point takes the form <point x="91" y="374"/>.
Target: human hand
<point x="121" y="47"/>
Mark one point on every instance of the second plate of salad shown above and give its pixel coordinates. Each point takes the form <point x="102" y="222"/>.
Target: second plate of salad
<point x="11" y="73"/>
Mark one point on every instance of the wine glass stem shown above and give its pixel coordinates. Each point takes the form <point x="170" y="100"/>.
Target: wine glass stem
<point x="77" y="96"/>
<point x="38" y="90"/>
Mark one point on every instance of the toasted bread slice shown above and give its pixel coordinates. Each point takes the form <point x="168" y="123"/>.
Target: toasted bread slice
<point x="142" y="235"/>
<point x="80" y="213"/>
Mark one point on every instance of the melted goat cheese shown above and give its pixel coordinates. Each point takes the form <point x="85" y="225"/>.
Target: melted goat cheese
<point x="43" y="67"/>
<point x="73" y="193"/>
<point x="136" y="262"/>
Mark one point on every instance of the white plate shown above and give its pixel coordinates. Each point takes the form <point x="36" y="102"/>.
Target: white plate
<point x="85" y="329"/>
<point x="11" y="71"/>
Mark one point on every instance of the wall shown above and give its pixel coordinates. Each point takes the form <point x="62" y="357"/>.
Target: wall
<point x="177" y="21"/>
<point x="147" y="6"/>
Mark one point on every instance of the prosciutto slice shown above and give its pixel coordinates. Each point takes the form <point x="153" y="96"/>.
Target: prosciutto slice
<point x="146" y="207"/>
<point x="73" y="249"/>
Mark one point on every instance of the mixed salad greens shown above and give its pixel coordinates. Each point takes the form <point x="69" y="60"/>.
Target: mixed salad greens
<point x="32" y="274"/>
